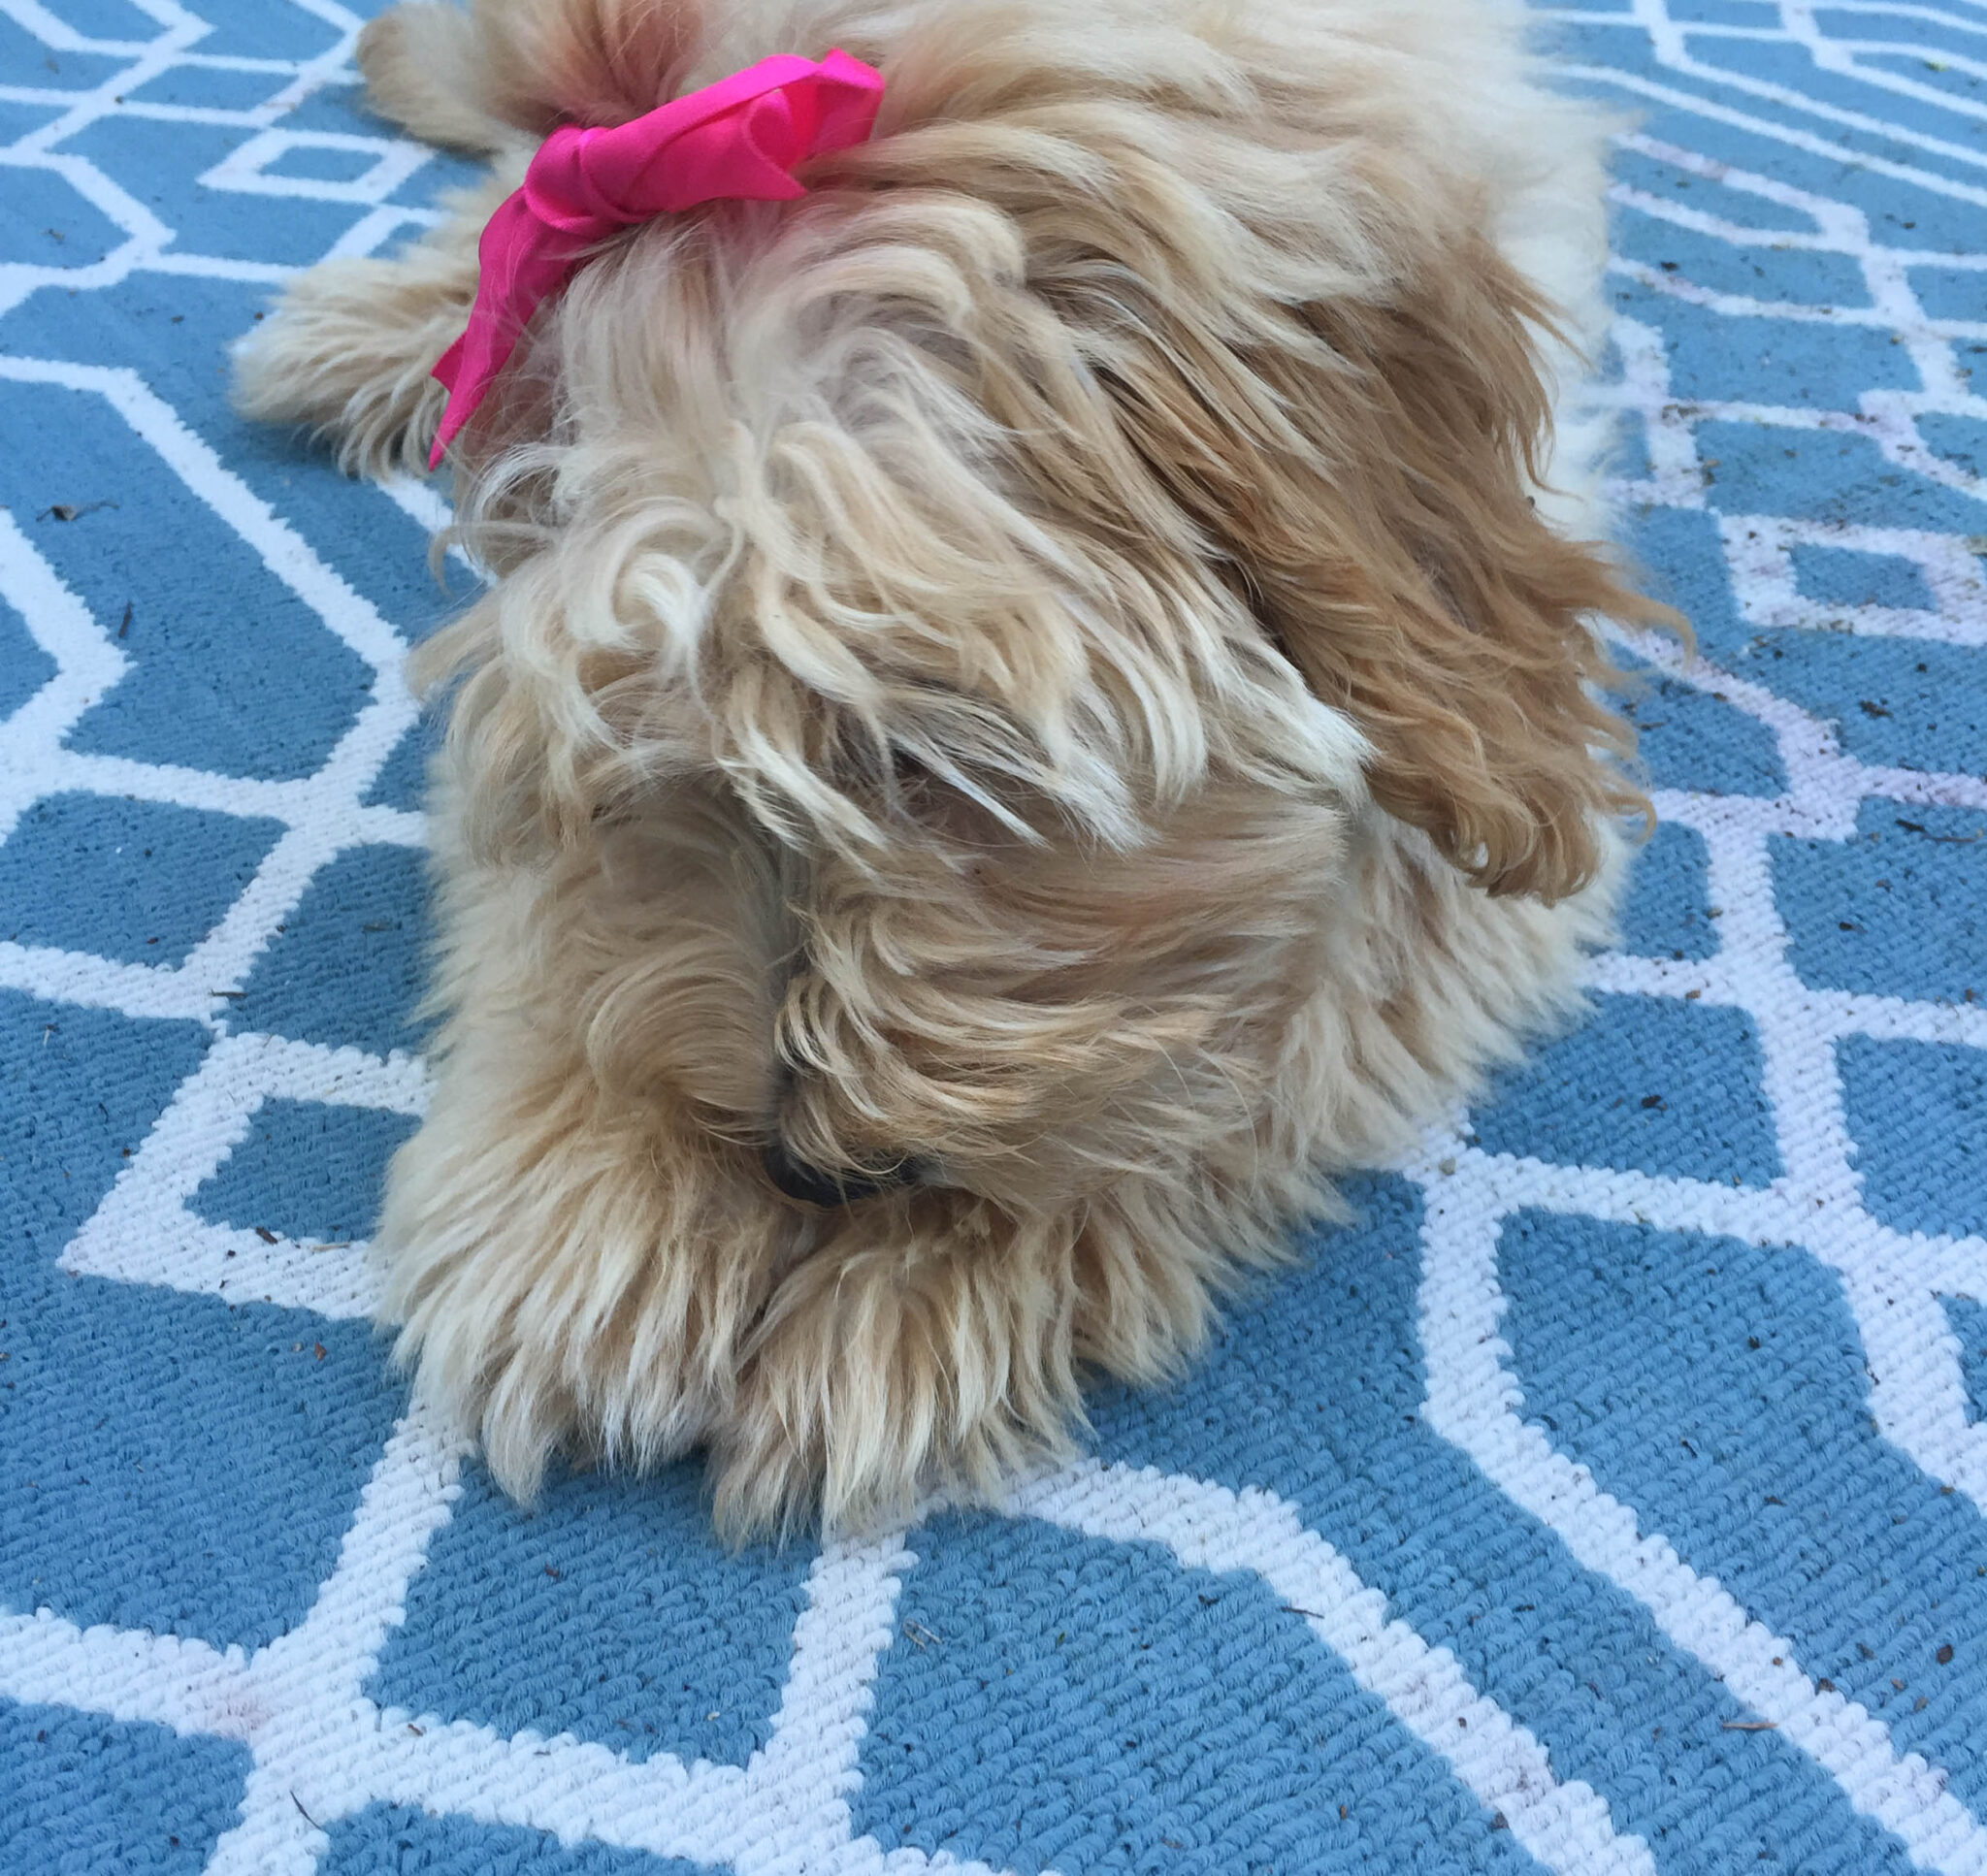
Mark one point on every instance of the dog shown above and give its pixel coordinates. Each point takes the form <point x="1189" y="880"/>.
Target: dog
<point x="1033" y="702"/>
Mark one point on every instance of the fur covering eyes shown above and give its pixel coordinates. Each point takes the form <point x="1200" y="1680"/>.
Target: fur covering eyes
<point x="1032" y="704"/>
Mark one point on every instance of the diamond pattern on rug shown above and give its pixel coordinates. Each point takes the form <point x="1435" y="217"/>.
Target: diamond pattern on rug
<point x="1605" y="1497"/>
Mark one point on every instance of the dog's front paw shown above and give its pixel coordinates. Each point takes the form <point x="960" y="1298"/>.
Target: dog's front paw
<point x="927" y="1349"/>
<point x="568" y="1276"/>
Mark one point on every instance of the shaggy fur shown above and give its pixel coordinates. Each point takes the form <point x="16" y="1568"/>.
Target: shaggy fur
<point x="1056" y="667"/>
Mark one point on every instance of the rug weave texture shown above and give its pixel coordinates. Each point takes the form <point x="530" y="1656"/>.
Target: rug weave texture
<point x="1608" y="1498"/>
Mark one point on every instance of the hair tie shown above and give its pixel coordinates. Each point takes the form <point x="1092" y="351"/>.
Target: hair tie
<point x="738" y="140"/>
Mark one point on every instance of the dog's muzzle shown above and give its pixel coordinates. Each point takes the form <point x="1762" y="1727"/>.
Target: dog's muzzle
<point x="809" y="1185"/>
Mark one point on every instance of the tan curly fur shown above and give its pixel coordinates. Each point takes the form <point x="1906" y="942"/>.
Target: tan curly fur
<point x="1058" y="666"/>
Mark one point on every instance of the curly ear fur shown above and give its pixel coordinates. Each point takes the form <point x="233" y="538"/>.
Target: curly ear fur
<point x="1391" y="546"/>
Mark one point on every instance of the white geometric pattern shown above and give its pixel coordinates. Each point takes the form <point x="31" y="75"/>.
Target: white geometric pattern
<point x="322" y="1749"/>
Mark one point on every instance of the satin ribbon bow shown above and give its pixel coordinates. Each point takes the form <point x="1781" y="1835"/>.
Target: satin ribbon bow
<point x="738" y="140"/>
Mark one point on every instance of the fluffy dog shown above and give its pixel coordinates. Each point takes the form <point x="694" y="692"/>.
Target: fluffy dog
<point x="1033" y="703"/>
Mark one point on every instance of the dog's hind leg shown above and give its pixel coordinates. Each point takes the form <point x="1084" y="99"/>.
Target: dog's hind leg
<point x="349" y="347"/>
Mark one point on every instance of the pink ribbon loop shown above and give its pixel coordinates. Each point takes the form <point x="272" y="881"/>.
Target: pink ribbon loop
<point x="738" y="140"/>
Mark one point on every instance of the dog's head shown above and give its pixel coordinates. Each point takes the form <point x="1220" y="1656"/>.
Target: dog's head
<point x="950" y="622"/>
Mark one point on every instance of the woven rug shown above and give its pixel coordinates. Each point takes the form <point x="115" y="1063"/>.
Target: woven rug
<point x="1606" y="1498"/>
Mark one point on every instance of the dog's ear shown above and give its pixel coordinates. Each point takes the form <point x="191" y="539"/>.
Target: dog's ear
<point x="1366" y="476"/>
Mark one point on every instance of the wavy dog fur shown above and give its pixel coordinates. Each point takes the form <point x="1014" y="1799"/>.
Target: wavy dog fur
<point x="1061" y="660"/>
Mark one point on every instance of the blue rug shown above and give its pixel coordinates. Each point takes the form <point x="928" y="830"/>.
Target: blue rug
<point x="1609" y="1497"/>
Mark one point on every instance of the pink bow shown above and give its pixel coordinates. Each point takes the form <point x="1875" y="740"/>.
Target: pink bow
<point x="738" y="139"/>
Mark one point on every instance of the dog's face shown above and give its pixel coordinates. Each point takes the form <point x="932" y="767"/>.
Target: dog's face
<point x="951" y="626"/>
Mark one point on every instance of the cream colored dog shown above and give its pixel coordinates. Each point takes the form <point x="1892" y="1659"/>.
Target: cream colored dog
<point x="1033" y="704"/>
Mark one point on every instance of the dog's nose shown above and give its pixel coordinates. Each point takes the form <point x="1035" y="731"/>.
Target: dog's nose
<point x="811" y="1186"/>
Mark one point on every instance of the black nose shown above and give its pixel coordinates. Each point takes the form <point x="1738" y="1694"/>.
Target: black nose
<point x="810" y="1186"/>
